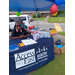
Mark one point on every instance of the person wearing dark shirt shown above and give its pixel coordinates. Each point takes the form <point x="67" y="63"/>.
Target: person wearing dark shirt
<point x="18" y="32"/>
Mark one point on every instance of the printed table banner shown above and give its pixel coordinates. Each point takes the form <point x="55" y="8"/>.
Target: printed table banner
<point x="31" y="57"/>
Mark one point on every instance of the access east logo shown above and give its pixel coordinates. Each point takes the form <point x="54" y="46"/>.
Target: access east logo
<point x="24" y="58"/>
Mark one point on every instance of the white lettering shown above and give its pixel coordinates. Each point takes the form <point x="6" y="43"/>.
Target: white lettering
<point x="42" y="55"/>
<point x="24" y="58"/>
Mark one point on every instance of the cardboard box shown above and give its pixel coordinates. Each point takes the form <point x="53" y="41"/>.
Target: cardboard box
<point x="59" y="50"/>
<point x="52" y="30"/>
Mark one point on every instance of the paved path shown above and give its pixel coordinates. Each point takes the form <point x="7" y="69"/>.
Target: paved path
<point x="46" y="19"/>
<point x="45" y="25"/>
<point x="57" y="27"/>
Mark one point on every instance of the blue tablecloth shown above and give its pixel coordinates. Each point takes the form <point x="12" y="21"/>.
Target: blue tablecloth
<point x="31" y="57"/>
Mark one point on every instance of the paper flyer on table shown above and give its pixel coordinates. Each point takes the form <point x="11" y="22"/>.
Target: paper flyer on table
<point x="28" y="41"/>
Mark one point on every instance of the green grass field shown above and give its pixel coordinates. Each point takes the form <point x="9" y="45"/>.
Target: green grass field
<point x="56" y="19"/>
<point x="55" y="67"/>
<point x="42" y="18"/>
<point x="61" y="33"/>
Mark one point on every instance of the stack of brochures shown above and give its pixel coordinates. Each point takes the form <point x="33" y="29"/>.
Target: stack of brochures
<point x="28" y="41"/>
<point x="21" y="44"/>
<point x="13" y="47"/>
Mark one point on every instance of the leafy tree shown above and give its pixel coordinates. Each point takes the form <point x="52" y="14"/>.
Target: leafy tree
<point x="34" y="15"/>
<point x="60" y="12"/>
<point x="38" y="15"/>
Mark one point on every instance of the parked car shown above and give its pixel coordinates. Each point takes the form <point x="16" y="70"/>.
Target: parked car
<point x="13" y="18"/>
<point x="30" y="18"/>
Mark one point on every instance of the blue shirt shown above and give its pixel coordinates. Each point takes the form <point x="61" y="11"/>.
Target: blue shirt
<point x="23" y="26"/>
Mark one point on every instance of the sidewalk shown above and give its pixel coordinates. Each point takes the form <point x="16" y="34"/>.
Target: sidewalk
<point x="46" y="19"/>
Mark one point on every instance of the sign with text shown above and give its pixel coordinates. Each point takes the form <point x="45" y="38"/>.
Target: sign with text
<point x="31" y="57"/>
<point x="27" y="57"/>
<point x="24" y="58"/>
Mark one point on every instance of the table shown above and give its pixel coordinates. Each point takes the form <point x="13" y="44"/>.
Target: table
<point x="51" y="34"/>
<point x="31" y="57"/>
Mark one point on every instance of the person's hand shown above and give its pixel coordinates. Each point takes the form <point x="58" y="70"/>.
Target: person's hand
<point x="24" y="36"/>
<point x="21" y="36"/>
<point x="22" y="26"/>
<point x="23" y="23"/>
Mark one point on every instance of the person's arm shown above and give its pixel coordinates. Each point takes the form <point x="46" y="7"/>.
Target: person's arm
<point x="13" y="33"/>
<point x="15" y="37"/>
<point x="18" y="37"/>
<point x="26" y="29"/>
<point x="23" y="25"/>
<point x="24" y="36"/>
<point x="25" y="33"/>
<point x="21" y="36"/>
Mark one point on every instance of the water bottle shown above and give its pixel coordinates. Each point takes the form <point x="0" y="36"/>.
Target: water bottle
<point x="43" y="35"/>
<point x="40" y="35"/>
<point x="48" y="35"/>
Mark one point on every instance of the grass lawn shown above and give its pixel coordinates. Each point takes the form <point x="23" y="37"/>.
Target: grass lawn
<point x="55" y="67"/>
<point x="61" y="33"/>
<point x="56" y="19"/>
<point x="42" y="18"/>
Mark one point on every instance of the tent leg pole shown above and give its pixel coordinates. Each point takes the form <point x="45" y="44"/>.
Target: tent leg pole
<point x="37" y="18"/>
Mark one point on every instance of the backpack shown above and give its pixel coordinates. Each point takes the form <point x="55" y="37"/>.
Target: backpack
<point x="58" y="42"/>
